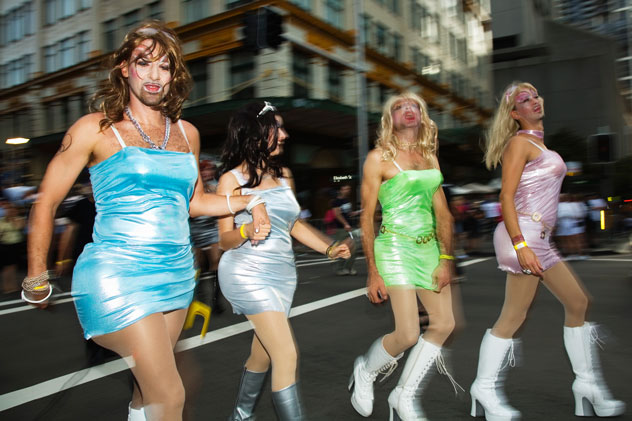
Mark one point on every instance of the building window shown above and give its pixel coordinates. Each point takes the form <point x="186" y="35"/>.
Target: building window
<point x="50" y="58"/>
<point x="365" y="24"/>
<point x="398" y="43"/>
<point x="50" y="12"/>
<point x="85" y="4"/>
<point x="194" y="10"/>
<point x="68" y="8"/>
<point x="381" y="38"/>
<point x="242" y="73"/>
<point x="198" y="70"/>
<point x="130" y="20"/>
<point x="155" y="10"/>
<point x="335" y="83"/>
<point x="109" y="35"/>
<point x="303" y="4"/>
<point x="415" y="16"/>
<point x="333" y="12"/>
<point x="83" y="46"/>
<point x="302" y="74"/>
<point x="67" y="52"/>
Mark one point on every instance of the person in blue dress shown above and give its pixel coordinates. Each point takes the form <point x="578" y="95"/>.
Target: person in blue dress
<point x="258" y="277"/>
<point x="132" y="285"/>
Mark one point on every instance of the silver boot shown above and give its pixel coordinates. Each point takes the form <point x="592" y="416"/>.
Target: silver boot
<point x="287" y="403"/>
<point x="250" y="388"/>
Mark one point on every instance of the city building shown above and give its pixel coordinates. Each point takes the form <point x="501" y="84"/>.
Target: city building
<point x="575" y="69"/>
<point x="51" y="55"/>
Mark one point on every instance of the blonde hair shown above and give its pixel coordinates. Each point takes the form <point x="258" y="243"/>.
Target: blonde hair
<point x="503" y="126"/>
<point x="387" y="141"/>
<point x="112" y="98"/>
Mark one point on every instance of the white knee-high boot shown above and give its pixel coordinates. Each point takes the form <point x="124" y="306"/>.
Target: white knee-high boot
<point x="365" y="370"/>
<point x="488" y="397"/>
<point x="591" y="393"/>
<point x="417" y="371"/>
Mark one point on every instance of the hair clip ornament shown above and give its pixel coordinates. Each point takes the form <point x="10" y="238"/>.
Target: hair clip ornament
<point x="267" y="107"/>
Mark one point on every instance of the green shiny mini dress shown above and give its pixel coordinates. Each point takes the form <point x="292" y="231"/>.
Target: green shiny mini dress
<point x="406" y="249"/>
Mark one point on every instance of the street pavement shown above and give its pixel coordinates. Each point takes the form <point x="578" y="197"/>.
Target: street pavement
<point x="44" y="372"/>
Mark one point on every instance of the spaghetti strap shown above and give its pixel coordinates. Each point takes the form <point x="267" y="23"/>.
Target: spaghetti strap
<point x="118" y="137"/>
<point x="536" y="145"/>
<point x="239" y="176"/>
<point x="184" y="134"/>
<point x="397" y="165"/>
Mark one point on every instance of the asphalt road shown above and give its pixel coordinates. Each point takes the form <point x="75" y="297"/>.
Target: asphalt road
<point x="44" y="364"/>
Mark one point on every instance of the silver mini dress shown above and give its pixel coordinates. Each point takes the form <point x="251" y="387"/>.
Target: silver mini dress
<point x="260" y="278"/>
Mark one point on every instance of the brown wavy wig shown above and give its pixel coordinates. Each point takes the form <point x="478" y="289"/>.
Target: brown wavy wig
<point x="112" y="98"/>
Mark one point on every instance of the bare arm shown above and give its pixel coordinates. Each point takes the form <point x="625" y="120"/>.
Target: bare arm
<point x="314" y="239"/>
<point x="73" y="155"/>
<point x="229" y="235"/>
<point x="210" y="204"/>
<point x="371" y="180"/>
<point x="445" y="229"/>
<point x="515" y="157"/>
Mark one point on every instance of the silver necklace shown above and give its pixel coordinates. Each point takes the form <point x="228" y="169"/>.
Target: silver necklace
<point x="537" y="133"/>
<point x="144" y="136"/>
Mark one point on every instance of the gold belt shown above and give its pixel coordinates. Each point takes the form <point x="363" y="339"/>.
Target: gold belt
<point x="420" y="239"/>
<point x="537" y="217"/>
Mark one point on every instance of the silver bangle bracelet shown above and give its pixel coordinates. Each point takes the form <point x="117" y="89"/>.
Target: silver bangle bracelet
<point x="50" y="292"/>
<point x="228" y="204"/>
<point x="255" y="201"/>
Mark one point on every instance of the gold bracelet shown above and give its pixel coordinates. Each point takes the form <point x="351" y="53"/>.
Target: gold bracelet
<point x="329" y="249"/>
<point x="63" y="262"/>
<point x="242" y="233"/>
<point x="446" y="256"/>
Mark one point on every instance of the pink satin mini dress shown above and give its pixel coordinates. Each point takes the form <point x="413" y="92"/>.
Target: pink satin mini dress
<point x="536" y="202"/>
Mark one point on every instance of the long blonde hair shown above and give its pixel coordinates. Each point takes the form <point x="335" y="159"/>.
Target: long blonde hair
<point x="113" y="95"/>
<point x="503" y="126"/>
<point x="387" y="141"/>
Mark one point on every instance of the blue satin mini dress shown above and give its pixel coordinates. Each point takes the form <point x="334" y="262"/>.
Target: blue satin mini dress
<point x="140" y="260"/>
<point x="260" y="278"/>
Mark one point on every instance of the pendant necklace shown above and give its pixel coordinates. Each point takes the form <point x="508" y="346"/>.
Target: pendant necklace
<point x="537" y="133"/>
<point x="144" y="136"/>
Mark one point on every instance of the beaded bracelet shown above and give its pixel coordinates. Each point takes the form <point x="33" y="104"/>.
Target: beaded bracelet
<point x="242" y="233"/>
<point x="36" y="283"/>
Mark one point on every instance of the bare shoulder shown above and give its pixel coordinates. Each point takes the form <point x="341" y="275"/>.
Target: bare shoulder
<point x="374" y="156"/>
<point x="227" y="182"/>
<point x="190" y="129"/>
<point x="84" y="133"/>
<point x="287" y="173"/>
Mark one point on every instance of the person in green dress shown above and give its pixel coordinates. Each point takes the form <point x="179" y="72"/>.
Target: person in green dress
<point x="410" y="258"/>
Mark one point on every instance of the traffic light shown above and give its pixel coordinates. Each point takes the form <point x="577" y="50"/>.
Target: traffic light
<point x="603" y="145"/>
<point x="250" y="23"/>
<point x="274" y="29"/>
<point x="263" y="28"/>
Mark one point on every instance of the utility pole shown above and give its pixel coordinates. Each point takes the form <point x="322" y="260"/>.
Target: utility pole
<point x="360" y="69"/>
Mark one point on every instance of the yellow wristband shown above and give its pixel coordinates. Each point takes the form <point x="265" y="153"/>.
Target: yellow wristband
<point x="520" y="245"/>
<point x="446" y="256"/>
<point x="242" y="233"/>
<point x="62" y="262"/>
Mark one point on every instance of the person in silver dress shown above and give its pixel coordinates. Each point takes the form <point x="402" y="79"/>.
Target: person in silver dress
<point x="259" y="278"/>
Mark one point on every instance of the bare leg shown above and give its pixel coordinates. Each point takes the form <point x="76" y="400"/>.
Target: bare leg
<point x="567" y="288"/>
<point x="275" y="334"/>
<point x="150" y="342"/>
<point x="519" y="293"/>
<point x="259" y="360"/>
<point x="440" y="313"/>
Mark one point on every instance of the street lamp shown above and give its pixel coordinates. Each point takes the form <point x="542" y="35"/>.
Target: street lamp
<point x="16" y="141"/>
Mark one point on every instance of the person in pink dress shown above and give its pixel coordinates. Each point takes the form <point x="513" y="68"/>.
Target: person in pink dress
<point x="532" y="176"/>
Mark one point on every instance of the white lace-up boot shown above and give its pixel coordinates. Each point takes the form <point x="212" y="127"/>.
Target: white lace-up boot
<point x="365" y="370"/>
<point x="592" y="396"/>
<point x="135" y="414"/>
<point x="488" y="397"/>
<point x="401" y="402"/>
